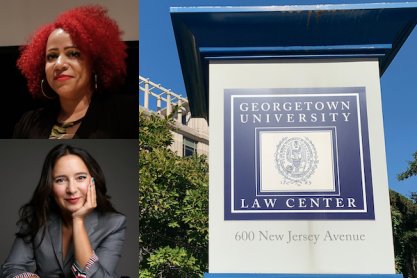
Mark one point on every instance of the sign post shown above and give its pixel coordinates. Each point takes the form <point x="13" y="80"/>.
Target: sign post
<point x="298" y="183"/>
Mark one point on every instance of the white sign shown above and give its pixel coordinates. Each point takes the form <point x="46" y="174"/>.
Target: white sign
<point x="294" y="159"/>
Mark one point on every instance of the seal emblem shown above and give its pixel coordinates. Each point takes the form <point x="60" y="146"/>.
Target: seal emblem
<point x="296" y="160"/>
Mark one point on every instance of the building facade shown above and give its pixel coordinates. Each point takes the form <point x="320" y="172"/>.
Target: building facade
<point x="190" y="134"/>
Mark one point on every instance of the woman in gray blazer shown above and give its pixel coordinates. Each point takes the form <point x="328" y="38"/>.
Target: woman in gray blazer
<point x="69" y="228"/>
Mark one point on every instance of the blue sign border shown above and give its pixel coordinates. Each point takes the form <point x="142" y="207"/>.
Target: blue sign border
<point x="231" y="213"/>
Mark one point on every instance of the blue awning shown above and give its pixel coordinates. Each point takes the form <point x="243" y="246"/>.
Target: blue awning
<point x="285" y="32"/>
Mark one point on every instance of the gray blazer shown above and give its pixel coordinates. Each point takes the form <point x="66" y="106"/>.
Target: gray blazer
<point x="105" y="231"/>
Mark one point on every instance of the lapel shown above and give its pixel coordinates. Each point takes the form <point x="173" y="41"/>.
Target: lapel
<point x="55" y="234"/>
<point x="48" y="118"/>
<point x="90" y="223"/>
<point x="89" y="123"/>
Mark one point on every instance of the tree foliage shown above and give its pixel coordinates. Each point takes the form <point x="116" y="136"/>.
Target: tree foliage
<point x="404" y="225"/>
<point x="411" y="170"/>
<point x="173" y="205"/>
<point x="173" y="209"/>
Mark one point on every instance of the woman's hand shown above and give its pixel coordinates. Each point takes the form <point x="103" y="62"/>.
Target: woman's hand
<point x="82" y="245"/>
<point x="89" y="204"/>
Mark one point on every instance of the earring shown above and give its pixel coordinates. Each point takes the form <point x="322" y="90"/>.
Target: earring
<point x="95" y="82"/>
<point x="43" y="93"/>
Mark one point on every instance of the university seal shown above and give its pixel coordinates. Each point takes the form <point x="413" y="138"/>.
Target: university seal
<point x="296" y="160"/>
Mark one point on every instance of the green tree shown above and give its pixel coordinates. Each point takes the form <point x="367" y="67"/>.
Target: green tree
<point x="411" y="170"/>
<point x="173" y="205"/>
<point x="173" y="209"/>
<point x="404" y="223"/>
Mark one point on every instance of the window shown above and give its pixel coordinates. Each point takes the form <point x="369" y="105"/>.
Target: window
<point x="189" y="147"/>
<point x="184" y="119"/>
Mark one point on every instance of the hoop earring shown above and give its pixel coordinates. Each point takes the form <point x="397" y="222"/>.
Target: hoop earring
<point x="95" y="82"/>
<point x="43" y="93"/>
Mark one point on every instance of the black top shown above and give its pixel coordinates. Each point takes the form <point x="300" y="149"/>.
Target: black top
<point x="108" y="116"/>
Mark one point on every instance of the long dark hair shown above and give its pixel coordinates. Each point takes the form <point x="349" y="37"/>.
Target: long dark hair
<point x="34" y="214"/>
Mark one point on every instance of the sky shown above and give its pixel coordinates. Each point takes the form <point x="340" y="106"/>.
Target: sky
<point x="158" y="60"/>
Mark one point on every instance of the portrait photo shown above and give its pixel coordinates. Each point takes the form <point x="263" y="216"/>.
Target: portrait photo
<point x="69" y="69"/>
<point x="46" y="184"/>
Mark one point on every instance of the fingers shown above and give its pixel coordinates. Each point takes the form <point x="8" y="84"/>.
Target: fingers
<point x="93" y="194"/>
<point x="90" y="201"/>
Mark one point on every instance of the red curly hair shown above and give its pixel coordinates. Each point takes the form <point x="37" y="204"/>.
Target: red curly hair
<point x="94" y="33"/>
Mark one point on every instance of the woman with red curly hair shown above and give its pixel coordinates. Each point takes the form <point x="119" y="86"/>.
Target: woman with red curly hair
<point x="75" y="64"/>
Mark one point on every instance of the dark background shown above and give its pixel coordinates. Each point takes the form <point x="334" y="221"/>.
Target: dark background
<point x="20" y="168"/>
<point x="14" y="95"/>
